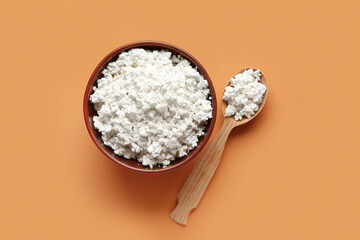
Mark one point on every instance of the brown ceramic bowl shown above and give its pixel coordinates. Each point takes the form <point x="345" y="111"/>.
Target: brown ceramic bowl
<point x="89" y="110"/>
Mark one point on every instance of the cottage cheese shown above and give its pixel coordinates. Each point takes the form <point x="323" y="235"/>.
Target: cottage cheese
<point x="244" y="94"/>
<point x="152" y="106"/>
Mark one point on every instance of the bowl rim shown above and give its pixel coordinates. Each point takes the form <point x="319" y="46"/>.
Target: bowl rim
<point x="145" y="44"/>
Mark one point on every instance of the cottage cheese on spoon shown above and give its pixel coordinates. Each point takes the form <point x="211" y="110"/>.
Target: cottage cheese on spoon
<point x="244" y="94"/>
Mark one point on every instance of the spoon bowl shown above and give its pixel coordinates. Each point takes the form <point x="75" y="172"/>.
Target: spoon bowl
<point x="224" y="103"/>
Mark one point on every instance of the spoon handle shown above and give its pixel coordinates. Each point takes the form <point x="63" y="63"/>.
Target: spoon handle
<point x="199" y="178"/>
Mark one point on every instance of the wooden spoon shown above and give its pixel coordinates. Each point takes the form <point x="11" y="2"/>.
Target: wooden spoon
<point x="199" y="178"/>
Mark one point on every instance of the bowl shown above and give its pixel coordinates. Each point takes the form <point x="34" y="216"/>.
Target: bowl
<point x="89" y="111"/>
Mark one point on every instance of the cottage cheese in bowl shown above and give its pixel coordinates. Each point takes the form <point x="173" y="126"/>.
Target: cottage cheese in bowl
<point x="152" y="106"/>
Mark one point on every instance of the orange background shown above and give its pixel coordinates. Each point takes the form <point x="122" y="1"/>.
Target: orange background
<point x="293" y="173"/>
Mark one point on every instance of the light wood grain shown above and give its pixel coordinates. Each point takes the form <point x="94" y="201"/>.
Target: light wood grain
<point x="204" y="169"/>
<point x="201" y="175"/>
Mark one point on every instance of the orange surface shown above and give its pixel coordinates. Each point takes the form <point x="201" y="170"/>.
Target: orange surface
<point x="293" y="173"/>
